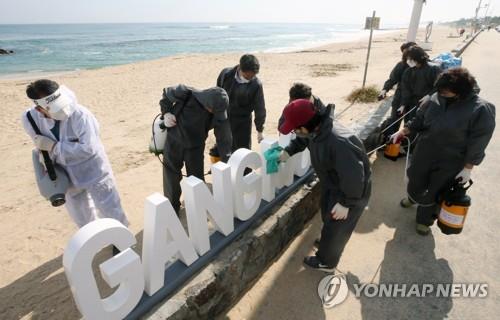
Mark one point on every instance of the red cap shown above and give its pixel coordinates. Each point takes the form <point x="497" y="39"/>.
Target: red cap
<point x="296" y="114"/>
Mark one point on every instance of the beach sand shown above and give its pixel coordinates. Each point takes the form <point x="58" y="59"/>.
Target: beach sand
<point x="125" y="100"/>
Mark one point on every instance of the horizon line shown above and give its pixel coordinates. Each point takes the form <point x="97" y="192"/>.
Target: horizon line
<point x="196" y="22"/>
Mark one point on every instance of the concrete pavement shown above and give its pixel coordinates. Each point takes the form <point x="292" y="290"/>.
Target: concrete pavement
<point x="386" y="249"/>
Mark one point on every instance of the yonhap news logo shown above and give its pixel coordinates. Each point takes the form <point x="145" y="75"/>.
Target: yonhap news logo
<point x="333" y="290"/>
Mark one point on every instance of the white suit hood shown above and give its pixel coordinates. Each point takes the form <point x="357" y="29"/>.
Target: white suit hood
<point x="79" y="149"/>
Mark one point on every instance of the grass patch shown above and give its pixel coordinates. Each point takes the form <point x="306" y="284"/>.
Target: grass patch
<point x="329" y="70"/>
<point x="364" y="95"/>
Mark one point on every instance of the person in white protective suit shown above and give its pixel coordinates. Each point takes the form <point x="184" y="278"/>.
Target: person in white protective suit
<point x="70" y="133"/>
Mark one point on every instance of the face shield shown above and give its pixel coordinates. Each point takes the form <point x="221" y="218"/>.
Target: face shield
<point x="58" y="105"/>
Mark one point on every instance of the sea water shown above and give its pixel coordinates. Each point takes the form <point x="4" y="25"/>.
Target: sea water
<point x="51" y="48"/>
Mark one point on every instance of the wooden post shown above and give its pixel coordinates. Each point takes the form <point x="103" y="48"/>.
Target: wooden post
<point x="369" y="49"/>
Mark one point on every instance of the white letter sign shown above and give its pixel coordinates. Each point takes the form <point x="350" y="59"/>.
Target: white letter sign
<point x="123" y="270"/>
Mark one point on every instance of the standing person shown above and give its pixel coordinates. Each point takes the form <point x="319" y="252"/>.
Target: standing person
<point x="340" y="161"/>
<point x="70" y="134"/>
<point x="417" y="84"/>
<point x="454" y="129"/>
<point x="246" y="96"/>
<point x="188" y="115"/>
<point x="395" y="80"/>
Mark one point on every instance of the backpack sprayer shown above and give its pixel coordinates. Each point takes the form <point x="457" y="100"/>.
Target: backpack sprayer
<point x="392" y="150"/>
<point x="214" y="155"/>
<point x="158" y="136"/>
<point x="455" y="204"/>
<point x="159" y="139"/>
<point x="51" y="179"/>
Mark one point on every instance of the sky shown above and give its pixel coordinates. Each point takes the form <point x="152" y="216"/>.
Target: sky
<point x="231" y="11"/>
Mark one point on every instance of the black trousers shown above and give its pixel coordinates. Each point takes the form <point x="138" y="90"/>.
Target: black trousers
<point x="241" y="129"/>
<point x="425" y="183"/>
<point x="175" y="156"/>
<point x="336" y="233"/>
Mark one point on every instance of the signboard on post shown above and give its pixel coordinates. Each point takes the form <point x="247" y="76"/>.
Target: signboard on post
<point x="375" y="25"/>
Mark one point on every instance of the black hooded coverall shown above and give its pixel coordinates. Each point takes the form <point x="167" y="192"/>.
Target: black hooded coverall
<point x="340" y="161"/>
<point x="416" y="83"/>
<point x="185" y="142"/>
<point x="450" y="136"/>
<point x="244" y="98"/>
<point x="395" y="78"/>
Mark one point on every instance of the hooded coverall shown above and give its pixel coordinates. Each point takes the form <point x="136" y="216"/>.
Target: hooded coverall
<point x="80" y="152"/>
<point x="417" y="82"/>
<point x="185" y="142"/>
<point x="395" y="78"/>
<point x="340" y="161"/>
<point x="450" y="136"/>
<point x="244" y="98"/>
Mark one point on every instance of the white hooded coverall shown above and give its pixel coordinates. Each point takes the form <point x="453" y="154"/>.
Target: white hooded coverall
<point x="80" y="152"/>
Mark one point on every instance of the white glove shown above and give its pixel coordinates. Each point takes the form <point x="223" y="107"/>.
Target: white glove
<point x="44" y="143"/>
<point x="401" y="110"/>
<point x="397" y="137"/>
<point x="284" y="156"/>
<point x="382" y="95"/>
<point x="464" y="176"/>
<point x="260" y="137"/>
<point x="339" y="212"/>
<point x="424" y="100"/>
<point x="169" y="120"/>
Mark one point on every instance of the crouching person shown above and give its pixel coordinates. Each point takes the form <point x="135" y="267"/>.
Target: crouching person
<point x="70" y="134"/>
<point x="340" y="161"/>
<point x="189" y="115"/>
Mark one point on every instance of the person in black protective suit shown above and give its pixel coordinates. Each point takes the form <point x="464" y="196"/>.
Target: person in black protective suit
<point x="188" y="115"/>
<point x="340" y="161"/>
<point x="246" y="96"/>
<point x="454" y="128"/>
<point x="417" y="83"/>
<point x="303" y="91"/>
<point x="395" y="80"/>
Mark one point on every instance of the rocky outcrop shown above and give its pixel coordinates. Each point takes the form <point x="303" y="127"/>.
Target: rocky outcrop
<point x="3" y="51"/>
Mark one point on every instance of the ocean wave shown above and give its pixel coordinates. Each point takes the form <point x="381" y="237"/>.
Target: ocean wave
<point x="92" y="53"/>
<point x="220" y="27"/>
<point x="138" y="41"/>
<point x="293" y="35"/>
<point x="34" y="40"/>
<point x="45" y="51"/>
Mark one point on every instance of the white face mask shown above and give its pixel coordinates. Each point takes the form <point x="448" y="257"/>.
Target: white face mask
<point x="411" y="63"/>
<point x="62" y="114"/>
<point x="240" y="78"/>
